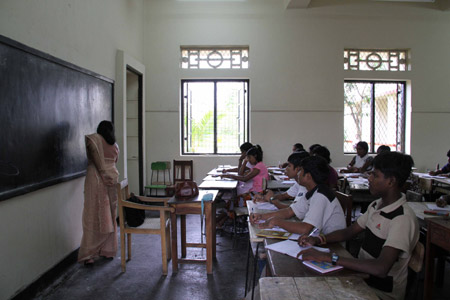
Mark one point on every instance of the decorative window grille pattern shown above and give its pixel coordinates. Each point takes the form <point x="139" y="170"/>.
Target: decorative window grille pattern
<point x="215" y="116"/>
<point x="214" y="57"/>
<point x="374" y="112"/>
<point x="375" y="60"/>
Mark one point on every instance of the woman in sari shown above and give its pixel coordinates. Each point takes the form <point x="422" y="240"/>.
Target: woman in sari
<point x="100" y="196"/>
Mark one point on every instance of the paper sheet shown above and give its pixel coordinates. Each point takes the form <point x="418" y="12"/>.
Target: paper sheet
<point x="292" y="248"/>
<point x="433" y="206"/>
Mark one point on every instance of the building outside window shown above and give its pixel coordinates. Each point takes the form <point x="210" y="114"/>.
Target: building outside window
<point x="374" y="111"/>
<point x="215" y="116"/>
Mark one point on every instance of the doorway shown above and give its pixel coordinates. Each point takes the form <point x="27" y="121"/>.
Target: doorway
<point x="134" y="131"/>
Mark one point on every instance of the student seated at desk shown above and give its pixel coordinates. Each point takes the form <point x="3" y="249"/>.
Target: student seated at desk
<point x="312" y="147"/>
<point x="390" y="227"/>
<point x="242" y="167"/>
<point x="323" y="152"/>
<point x="445" y="171"/>
<point x="317" y="208"/>
<point x="294" y="191"/>
<point x="257" y="172"/>
<point x="362" y="161"/>
<point x="297" y="147"/>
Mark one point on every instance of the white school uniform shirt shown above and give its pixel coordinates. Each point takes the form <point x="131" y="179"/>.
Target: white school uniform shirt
<point x="360" y="161"/>
<point x="296" y="191"/>
<point x="320" y="208"/>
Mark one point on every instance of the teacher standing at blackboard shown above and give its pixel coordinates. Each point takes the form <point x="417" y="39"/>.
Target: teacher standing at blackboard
<point x="100" y="196"/>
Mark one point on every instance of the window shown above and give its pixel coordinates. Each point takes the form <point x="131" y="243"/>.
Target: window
<point x="374" y="112"/>
<point x="375" y="60"/>
<point x="217" y="57"/>
<point x="214" y="116"/>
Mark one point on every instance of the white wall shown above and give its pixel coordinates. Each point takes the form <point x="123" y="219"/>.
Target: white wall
<point x="296" y="86"/>
<point x="39" y="229"/>
<point x="296" y="70"/>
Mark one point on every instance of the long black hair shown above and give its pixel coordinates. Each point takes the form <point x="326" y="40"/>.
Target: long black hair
<point x="257" y="152"/>
<point x="106" y="130"/>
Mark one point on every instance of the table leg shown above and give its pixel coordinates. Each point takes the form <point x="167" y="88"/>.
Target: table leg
<point x="213" y="227"/>
<point x="209" y="237"/>
<point x="173" y="221"/>
<point x="249" y="246"/>
<point x="429" y="269"/>
<point x="183" y="235"/>
<point x="255" y="262"/>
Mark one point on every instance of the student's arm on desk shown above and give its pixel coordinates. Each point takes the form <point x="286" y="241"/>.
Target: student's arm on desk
<point x="245" y="177"/>
<point x="276" y="201"/>
<point x="378" y="267"/>
<point x="282" y="213"/>
<point x="334" y="237"/>
<point x="294" y="227"/>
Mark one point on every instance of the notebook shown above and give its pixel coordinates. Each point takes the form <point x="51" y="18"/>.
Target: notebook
<point x="274" y="234"/>
<point x="322" y="267"/>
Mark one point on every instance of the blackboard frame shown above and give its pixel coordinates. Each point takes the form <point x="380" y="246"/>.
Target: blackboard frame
<point x="67" y="100"/>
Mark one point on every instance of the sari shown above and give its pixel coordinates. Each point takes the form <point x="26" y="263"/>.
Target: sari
<point x="100" y="200"/>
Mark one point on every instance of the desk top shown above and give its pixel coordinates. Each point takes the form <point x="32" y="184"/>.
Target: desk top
<point x="218" y="185"/>
<point x="252" y="229"/>
<point x="326" y="288"/>
<point x="282" y="265"/>
<point x="419" y="207"/>
<point x="280" y="184"/>
<point x="195" y="199"/>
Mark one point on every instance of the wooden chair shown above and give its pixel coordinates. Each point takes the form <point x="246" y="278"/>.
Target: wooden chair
<point x="412" y="196"/>
<point x="183" y="170"/>
<point x="346" y="202"/>
<point x="425" y="186"/>
<point x="159" y="226"/>
<point x="415" y="265"/>
<point x="158" y="179"/>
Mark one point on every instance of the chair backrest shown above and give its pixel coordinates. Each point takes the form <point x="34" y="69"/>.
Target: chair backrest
<point x="412" y="196"/>
<point x="183" y="170"/>
<point x="425" y="185"/>
<point x="160" y="168"/>
<point x="122" y="190"/>
<point x="416" y="261"/>
<point x="346" y="202"/>
<point x="264" y="184"/>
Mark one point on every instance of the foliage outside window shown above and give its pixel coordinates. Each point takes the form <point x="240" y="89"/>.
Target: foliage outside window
<point x="214" y="116"/>
<point x="374" y="112"/>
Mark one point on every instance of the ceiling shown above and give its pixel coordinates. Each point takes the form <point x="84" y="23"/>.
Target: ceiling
<point x="437" y="4"/>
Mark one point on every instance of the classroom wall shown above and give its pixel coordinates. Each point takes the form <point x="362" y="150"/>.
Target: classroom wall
<point x="40" y="229"/>
<point x="296" y="70"/>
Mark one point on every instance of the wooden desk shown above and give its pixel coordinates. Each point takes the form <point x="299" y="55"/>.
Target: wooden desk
<point x="279" y="185"/>
<point x="218" y="185"/>
<point x="438" y="235"/>
<point x="324" y="288"/>
<point x="185" y="207"/>
<point x="418" y="208"/>
<point x="282" y="265"/>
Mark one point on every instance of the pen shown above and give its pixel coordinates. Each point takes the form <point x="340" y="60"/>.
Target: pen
<point x="313" y="231"/>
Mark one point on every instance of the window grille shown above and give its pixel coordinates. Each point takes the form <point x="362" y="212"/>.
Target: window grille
<point x="214" y="57"/>
<point x="374" y="112"/>
<point x="214" y="116"/>
<point x="375" y="60"/>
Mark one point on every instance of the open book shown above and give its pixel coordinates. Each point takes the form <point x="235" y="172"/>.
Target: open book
<point x="322" y="267"/>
